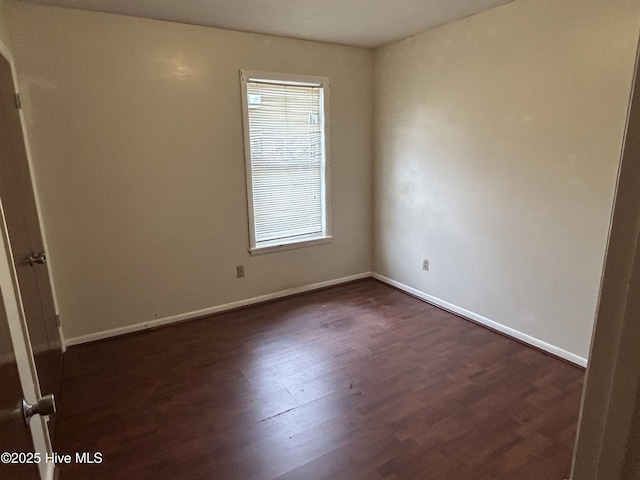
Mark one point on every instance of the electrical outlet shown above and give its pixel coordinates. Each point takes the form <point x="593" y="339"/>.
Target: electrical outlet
<point x="425" y="264"/>
<point x="239" y="271"/>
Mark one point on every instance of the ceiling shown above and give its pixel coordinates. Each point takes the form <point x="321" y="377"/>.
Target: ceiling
<point x="361" y="23"/>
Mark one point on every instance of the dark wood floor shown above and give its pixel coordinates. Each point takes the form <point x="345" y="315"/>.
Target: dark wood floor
<point x="354" y="382"/>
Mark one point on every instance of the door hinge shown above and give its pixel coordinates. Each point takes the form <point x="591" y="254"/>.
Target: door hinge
<point x="18" y="101"/>
<point x="58" y="320"/>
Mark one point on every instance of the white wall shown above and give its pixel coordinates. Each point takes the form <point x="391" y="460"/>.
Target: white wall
<point x="136" y="135"/>
<point x="497" y="143"/>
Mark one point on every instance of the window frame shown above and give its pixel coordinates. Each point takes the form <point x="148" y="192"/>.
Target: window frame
<point x="298" y="80"/>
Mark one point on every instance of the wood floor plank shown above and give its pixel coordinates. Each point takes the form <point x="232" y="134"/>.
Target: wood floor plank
<point x="359" y="381"/>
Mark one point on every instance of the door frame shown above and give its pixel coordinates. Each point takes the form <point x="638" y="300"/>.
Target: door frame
<point x="611" y="398"/>
<point x="24" y="356"/>
<point x="10" y="296"/>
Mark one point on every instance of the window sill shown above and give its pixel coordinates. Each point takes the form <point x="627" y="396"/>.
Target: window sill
<point x="279" y="247"/>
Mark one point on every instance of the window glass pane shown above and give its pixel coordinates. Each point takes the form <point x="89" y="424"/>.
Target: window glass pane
<point x="287" y="156"/>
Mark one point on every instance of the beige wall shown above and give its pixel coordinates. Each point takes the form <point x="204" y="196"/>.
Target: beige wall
<point x="4" y="32"/>
<point x="136" y="135"/>
<point x="497" y="142"/>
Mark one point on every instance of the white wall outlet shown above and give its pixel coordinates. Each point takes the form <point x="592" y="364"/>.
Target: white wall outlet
<point x="239" y="271"/>
<point x="425" y="264"/>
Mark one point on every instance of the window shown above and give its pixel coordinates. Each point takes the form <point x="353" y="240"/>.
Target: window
<point x="287" y="165"/>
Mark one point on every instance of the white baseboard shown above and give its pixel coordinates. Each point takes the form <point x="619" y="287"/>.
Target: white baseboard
<point x="511" y="332"/>
<point x="211" y="310"/>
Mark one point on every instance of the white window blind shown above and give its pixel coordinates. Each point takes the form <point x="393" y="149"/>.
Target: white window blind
<point x="287" y="161"/>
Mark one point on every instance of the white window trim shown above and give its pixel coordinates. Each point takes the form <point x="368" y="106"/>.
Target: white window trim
<point x="291" y="79"/>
